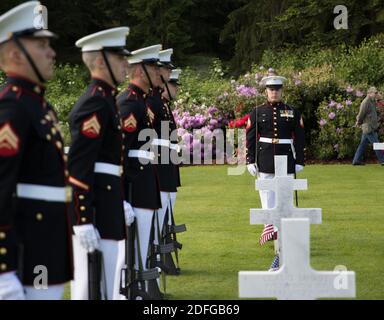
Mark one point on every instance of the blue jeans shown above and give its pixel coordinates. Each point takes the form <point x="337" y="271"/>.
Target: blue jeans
<point x="365" y="139"/>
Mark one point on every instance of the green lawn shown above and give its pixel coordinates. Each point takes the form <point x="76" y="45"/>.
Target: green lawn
<point x="220" y="241"/>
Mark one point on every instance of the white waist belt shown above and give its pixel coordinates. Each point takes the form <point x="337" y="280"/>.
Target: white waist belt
<point x="108" y="168"/>
<point x="45" y="193"/>
<point x="280" y="141"/>
<point x="166" y="143"/>
<point x="141" y="154"/>
<point x="161" y="142"/>
<point x="276" y="141"/>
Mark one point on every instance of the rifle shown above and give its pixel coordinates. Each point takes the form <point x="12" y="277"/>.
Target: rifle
<point x="128" y="274"/>
<point x="169" y="237"/>
<point x="132" y="281"/>
<point x="95" y="273"/>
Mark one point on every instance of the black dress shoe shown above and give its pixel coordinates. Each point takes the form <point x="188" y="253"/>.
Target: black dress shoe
<point x="358" y="164"/>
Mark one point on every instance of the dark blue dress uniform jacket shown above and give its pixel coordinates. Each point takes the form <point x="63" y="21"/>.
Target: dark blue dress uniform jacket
<point x="174" y="136"/>
<point x="141" y="177"/>
<point x="168" y="178"/>
<point x="96" y="132"/>
<point x="275" y="121"/>
<point x="32" y="232"/>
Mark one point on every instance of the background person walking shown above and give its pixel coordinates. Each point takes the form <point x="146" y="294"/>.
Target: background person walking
<point x="367" y="119"/>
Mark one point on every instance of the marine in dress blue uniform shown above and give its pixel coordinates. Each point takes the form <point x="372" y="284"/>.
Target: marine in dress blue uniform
<point x="170" y="229"/>
<point x="165" y="152"/>
<point x="96" y="161"/>
<point x="141" y="176"/>
<point x="274" y="128"/>
<point x="34" y="189"/>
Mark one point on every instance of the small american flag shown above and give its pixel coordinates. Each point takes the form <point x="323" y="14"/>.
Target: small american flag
<point x="267" y="234"/>
<point x="275" y="263"/>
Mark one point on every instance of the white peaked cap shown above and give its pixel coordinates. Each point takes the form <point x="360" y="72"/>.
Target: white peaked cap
<point x="165" y="55"/>
<point x="165" y="58"/>
<point x="112" y="39"/>
<point x="150" y="54"/>
<point x="175" y="74"/>
<point x="273" y="81"/>
<point x="21" y="21"/>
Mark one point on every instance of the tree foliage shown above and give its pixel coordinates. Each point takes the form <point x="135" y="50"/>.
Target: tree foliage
<point x="268" y="24"/>
<point x="236" y="30"/>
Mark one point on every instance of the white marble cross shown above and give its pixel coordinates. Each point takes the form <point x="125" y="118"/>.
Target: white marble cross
<point x="378" y="146"/>
<point x="283" y="186"/>
<point x="296" y="280"/>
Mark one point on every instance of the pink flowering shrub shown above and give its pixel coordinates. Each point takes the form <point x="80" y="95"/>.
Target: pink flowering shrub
<point x="216" y="102"/>
<point x="196" y="130"/>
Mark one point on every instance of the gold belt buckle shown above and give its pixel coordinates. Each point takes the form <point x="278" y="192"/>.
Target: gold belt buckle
<point x="275" y="141"/>
<point x="68" y="194"/>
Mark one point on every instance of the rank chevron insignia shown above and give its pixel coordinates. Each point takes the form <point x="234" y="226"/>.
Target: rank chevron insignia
<point x="91" y="127"/>
<point x="130" y="123"/>
<point x="9" y="141"/>
<point x="151" y="115"/>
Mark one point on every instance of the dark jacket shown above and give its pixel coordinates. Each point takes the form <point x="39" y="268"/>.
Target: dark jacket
<point x="367" y="116"/>
<point x="36" y="231"/>
<point x="97" y="137"/>
<point x="168" y="174"/>
<point x="174" y="136"/>
<point x="141" y="179"/>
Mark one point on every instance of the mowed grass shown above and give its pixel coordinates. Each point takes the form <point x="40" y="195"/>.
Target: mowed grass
<point x="220" y="241"/>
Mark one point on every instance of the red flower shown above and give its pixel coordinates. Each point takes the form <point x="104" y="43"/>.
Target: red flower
<point x="240" y="123"/>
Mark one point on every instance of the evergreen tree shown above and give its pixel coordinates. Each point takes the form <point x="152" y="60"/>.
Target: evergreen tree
<point x="160" y="22"/>
<point x="270" y="24"/>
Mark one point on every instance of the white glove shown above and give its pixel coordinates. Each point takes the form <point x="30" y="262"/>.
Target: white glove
<point x="299" y="167"/>
<point x="252" y="169"/>
<point x="88" y="235"/>
<point x="129" y="213"/>
<point x="10" y="287"/>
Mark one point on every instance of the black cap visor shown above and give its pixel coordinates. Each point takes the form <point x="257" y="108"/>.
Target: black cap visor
<point x="121" y="51"/>
<point x="167" y="65"/>
<point x="274" y="87"/>
<point x="151" y="62"/>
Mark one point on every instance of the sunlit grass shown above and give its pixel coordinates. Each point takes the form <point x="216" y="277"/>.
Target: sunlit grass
<point x="220" y="242"/>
